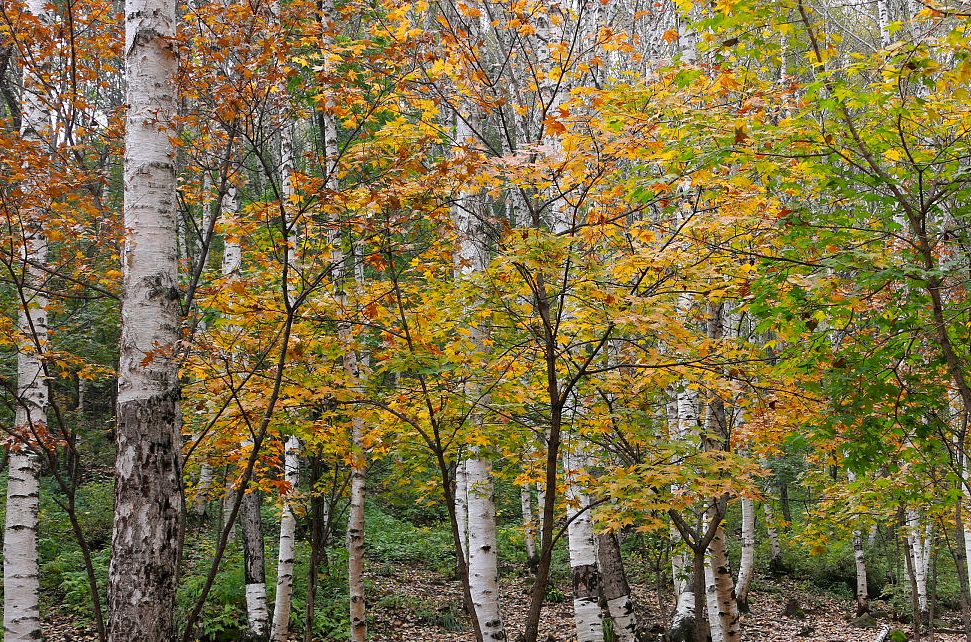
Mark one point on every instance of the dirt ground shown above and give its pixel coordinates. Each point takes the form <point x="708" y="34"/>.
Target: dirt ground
<point x="417" y="605"/>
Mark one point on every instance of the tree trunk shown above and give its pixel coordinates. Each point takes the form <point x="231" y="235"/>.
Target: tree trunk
<point x="683" y="621"/>
<point x="201" y="500"/>
<point x="859" y="559"/>
<point x="288" y="526"/>
<point x="746" y="565"/>
<point x="148" y="498"/>
<point x="916" y="611"/>
<point x="883" y="21"/>
<point x="355" y="534"/>
<point x="724" y="589"/>
<point x="583" y="558"/>
<point x="862" y="602"/>
<point x="540" y="503"/>
<point x="616" y="591"/>
<point x="711" y="600"/>
<point x="21" y="575"/>
<point x="21" y="578"/>
<point x="775" y="550"/>
<point x="699" y="585"/>
<point x="529" y="528"/>
<point x="483" y="562"/>
<point x="784" y="502"/>
<point x="462" y="506"/>
<point x="920" y="555"/>
<point x="254" y="565"/>
<point x="318" y="522"/>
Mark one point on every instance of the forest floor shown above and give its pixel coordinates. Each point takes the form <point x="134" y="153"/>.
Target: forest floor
<point x="415" y="604"/>
<point x="823" y="617"/>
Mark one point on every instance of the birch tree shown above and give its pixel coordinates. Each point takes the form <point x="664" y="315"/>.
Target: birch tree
<point x="148" y="497"/>
<point x="288" y="526"/>
<point x="21" y="573"/>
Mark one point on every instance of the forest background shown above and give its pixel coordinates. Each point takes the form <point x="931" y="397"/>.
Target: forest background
<point x="499" y="290"/>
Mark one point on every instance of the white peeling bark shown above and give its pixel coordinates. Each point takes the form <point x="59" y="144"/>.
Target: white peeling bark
<point x="483" y="559"/>
<point x="616" y="591"/>
<point x="883" y="21"/>
<point x="21" y="575"/>
<point x="148" y="498"/>
<point x="254" y="565"/>
<point x="720" y="585"/>
<point x="462" y="507"/>
<point x="288" y="527"/>
<point x="21" y="578"/>
<point x="683" y="620"/>
<point x="470" y="256"/>
<point x="725" y="604"/>
<point x="355" y="532"/>
<point x="711" y="599"/>
<point x="862" y="603"/>
<point x="746" y="565"/>
<point x="529" y="528"/>
<point x="583" y="556"/>
<point x="920" y="541"/>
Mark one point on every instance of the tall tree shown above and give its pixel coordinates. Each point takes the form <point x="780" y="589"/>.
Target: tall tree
<point x="148" y="495"/>
<point x="21" y="575"/>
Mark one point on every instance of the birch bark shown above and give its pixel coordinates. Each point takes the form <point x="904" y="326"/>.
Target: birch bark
<point x="462" y="506"/>
<point x="862" y="603"/>
<point x="471" y="256"/>
<point x="616" y="591"/>
<point x="583" y="556"/>
<point x="21" y="574"/>
<point x="529" y="528"/>
<point x="288" y="527"/>
<point x="746" y="565"/>
<point x="148" y="498"/>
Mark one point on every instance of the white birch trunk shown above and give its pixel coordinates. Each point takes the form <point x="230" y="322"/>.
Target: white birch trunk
<point x="859" y="559"/>
<point x="201" y="499"/>
<point x="21" y="578"/>
<point x="355" y="533"/>
<point x="683" y="620"/>
<point x="920" y="554"/>
<point x="616" y="591"/>
<point x="862" y="602"/>
<point x="883" y="21"/>
<point x="721" y="593"/>
<point x="723" y="620"/>
<point x="21" y="575"/>
<point x="746" y="565"/>
<point x="966" y="494"/>
<point x="711" y="599"/>
<point x="583" y="556"/>
<point x="462" y="507"/>
<point x="529" y="528"/>
<point x="288" y="527"/>
<point x="471" y="256"/>
<point x="680" y="565"/>
<point x="540" y="503"/>
<point x="148" y="498"/>
<point x="483" y="561"/>
<point x="358" y="490"/>
<point x="254" y="566"/>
